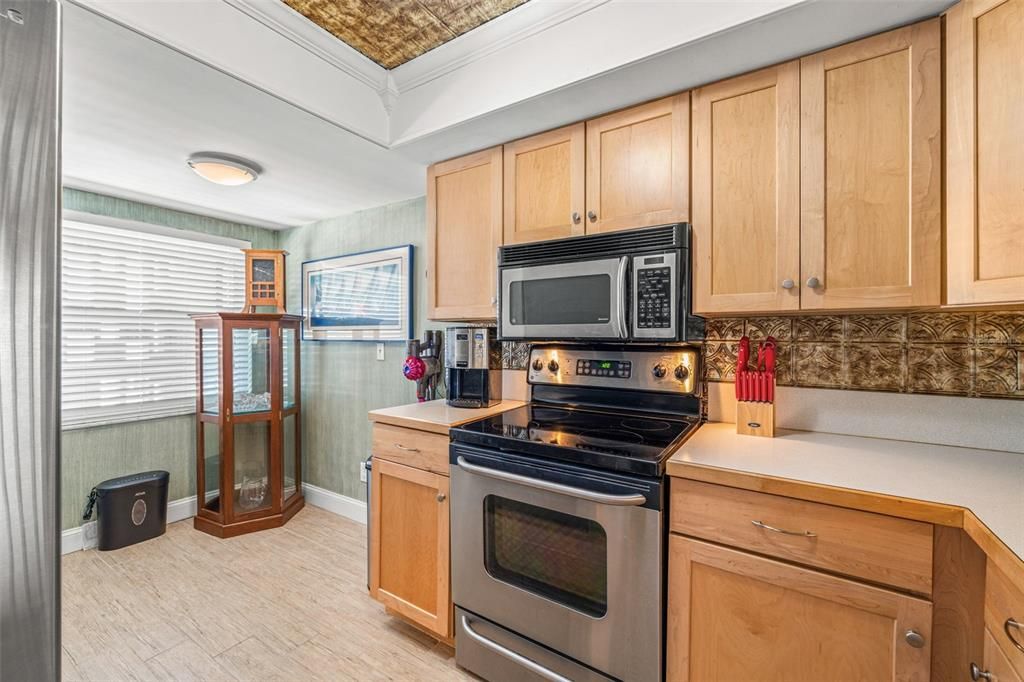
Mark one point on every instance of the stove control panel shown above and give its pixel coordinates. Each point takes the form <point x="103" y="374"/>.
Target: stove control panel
<point x="666" y="369"/>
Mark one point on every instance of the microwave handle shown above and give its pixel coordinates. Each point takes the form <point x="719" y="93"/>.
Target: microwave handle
<point x="621" y="297"/>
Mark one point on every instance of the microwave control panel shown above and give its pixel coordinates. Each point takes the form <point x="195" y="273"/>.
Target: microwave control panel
<point x="655" y="308"/>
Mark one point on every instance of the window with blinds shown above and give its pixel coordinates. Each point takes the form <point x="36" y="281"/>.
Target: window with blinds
<point x="128" y="343"/>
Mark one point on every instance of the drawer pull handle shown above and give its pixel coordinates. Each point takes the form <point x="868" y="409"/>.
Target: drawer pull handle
<point x="979" y="674"/>
<point x="783" y="531"/>
<point x="402" y="447"/>
<point x="1011" y="623"/>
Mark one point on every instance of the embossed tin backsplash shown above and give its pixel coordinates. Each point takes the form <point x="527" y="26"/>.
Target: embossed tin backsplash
<point x="964" y="354"/>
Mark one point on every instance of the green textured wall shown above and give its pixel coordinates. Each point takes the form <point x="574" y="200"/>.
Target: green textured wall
<point x="91" y="455"/>
<point x="342" y="380"/>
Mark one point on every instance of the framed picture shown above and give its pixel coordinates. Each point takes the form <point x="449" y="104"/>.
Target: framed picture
<point x="359" y="297"/>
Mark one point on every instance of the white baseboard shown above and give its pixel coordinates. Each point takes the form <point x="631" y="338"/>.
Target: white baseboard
<point x="342" y="505"/>
<point x="74" y="539"/>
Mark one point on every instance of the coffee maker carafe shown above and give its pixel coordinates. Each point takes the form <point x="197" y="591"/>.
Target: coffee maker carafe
<point x="473" y="361"/>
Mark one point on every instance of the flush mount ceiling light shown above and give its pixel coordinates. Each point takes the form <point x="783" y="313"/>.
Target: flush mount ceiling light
<point x="223" y="169"/>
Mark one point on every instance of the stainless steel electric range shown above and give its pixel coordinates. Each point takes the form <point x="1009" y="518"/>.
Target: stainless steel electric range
<point x="557" y="518"/>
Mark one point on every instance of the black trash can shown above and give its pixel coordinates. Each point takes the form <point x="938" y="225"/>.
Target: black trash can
<point x="131" y="508"/>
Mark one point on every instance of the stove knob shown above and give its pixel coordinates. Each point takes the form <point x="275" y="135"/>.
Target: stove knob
<point x="553" y="365"/>
<point x="538" y="365"/>
<point x="658" y="370"/>
<point x="682" y="372"/>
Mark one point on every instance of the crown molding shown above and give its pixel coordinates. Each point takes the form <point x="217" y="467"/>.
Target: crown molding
<point x="285" y="21"/>
<point x="503" y="31"/>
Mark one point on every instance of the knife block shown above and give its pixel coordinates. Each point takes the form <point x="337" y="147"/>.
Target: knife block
<point x="755" y="419"/>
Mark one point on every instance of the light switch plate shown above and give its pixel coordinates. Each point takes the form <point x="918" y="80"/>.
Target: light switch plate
<point x="362" y="474"/>
<point x="380" y="351"/>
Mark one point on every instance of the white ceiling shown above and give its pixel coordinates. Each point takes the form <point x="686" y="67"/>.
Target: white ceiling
<point x="148" y="83"/>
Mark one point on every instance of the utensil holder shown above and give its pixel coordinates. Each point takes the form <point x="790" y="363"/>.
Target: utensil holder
<point x="755" y="419"/>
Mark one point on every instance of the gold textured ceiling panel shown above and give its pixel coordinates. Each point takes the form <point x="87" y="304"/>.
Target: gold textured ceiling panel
<point x="391" y="32"/>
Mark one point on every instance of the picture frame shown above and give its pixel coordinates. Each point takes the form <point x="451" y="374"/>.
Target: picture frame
<point x="364" y="296"/>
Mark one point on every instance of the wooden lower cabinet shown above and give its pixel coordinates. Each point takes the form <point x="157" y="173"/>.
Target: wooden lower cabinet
<point x="739" y="616"/>
<point x="409" y="549"/>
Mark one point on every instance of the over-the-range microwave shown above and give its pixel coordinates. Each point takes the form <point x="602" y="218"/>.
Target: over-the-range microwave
<point x="620" y="286"/>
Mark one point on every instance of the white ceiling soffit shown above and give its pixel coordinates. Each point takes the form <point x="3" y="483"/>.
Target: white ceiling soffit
<point x="135" y="110"/>
<point x="544" y="64"/>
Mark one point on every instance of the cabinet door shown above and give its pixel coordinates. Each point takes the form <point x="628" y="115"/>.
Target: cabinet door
<point x="737" y="616"/>
<point x="463" y="236"/>
<point x="638" y="166"/>
<point x="746" y="193"/>
<point x="871" y="182"/>
<point x="409" y="561"/>
<point x="985" y="152"/>
<point x="544" y="186"/>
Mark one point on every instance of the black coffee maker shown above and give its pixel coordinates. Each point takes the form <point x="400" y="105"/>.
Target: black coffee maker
<point x="473" y="361"/>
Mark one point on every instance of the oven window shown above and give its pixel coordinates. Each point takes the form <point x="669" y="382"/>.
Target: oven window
<point x="584" y="299"/>
<point x="561" y="557"/>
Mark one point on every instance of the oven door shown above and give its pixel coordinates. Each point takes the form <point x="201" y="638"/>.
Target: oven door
<point x="576" y="300"/>
<point x="571" y="561"/>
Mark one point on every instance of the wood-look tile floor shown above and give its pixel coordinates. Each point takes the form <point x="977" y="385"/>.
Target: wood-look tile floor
<point x="283" y="604"/>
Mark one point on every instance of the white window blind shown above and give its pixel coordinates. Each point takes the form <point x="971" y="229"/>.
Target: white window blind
<point x="128" y="343"/>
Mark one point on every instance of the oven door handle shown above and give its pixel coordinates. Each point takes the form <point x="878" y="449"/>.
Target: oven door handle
<point x="527" y="663"/>
<point x="633" y="500"/>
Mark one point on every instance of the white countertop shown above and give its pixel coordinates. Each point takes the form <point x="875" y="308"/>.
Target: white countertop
<point x="437" y="416"/>
<point x="989" y="483"/>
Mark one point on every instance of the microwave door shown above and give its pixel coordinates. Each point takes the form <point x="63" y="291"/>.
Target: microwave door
<point x="575" y="300"/>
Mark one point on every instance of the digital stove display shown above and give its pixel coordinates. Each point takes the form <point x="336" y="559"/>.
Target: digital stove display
<point x="604" y="368"/>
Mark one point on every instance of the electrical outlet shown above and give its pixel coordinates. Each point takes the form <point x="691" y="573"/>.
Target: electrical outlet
<point x="362" y="474"/>
<point x="89" y="535"/>
<point x="380" y="351"/>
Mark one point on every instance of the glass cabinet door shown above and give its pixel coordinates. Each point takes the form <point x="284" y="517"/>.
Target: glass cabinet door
<point x="252" y="466"/>
<point x="209" y="358"/>
<point x="210" y="458"/>
<point x="250" y="370"/>
<point x="289" y="362"/>
<point x="290" y="454"/>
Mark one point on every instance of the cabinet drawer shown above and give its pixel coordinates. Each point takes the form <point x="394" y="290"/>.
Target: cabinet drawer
<point x="878" y="548"/>
<point x="996" y="662"/>
<point x="417" y="449"/>
<point x="1004" y="601"/>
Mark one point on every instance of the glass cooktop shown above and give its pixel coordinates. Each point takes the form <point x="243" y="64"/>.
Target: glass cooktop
<point x="637" y="443"/>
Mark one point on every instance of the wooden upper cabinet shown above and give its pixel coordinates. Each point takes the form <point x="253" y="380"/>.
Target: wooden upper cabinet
<point x="638" y="163"/>
<point x="871" y="179"/>
<point x="985" y="152"/>
<point x="409" y="548"/>
<point x="738" y="616"/>
<point x="746" y="192"/>
<point x="544" y="196"/>
<point x="463" y="235"/>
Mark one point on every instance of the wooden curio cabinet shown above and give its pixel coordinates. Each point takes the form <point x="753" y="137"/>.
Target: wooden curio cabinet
<point x="248" y="454"/>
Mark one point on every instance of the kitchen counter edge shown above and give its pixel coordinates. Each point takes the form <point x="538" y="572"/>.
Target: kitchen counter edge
<point x="436" y="416"/>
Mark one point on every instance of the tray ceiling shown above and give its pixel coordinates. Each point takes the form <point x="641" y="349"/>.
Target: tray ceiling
<point x="391" y="32"/>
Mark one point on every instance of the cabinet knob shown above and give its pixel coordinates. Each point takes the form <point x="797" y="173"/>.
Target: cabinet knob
<point x="813" y="282"/>
<point x="575" y="217"/>
<point x="441" y="497"/>
<point x="592" y="216"/>
<point x="914" y="638"/>
<point x="979" y="674"/>
<point x="787" y="284"/>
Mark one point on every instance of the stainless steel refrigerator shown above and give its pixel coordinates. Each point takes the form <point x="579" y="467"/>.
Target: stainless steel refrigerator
<point x="29" y="351"/>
